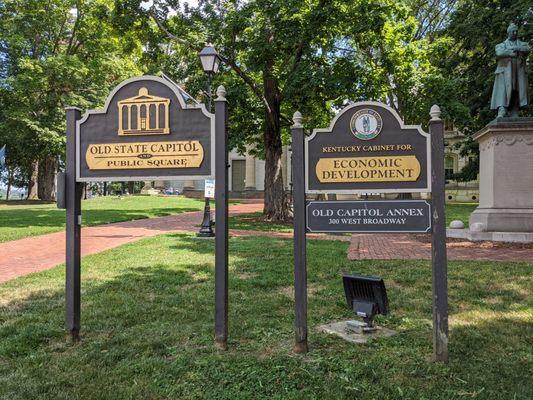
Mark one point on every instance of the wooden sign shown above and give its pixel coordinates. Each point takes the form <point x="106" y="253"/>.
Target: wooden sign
<point x="366" y="149"/>
<point x="146" y="131"/>
<point x="384" y="216"/>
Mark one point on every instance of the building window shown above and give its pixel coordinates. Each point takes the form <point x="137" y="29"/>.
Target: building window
<point x="448" y="167"/>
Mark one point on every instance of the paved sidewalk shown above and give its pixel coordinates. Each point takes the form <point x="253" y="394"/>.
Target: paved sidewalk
<point x="418" y="247"/>
<point x="38" y="253"/>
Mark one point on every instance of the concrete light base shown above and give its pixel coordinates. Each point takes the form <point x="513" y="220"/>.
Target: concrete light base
<point x="505" y="177"/>
<point x="340" y="329"/>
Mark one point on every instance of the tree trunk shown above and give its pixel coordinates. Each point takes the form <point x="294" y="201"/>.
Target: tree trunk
<point x="46" y="179"/>
<point x="32" y="184"/>
<point x="276" y="201"/>
<point x="9" y="182"/>
<point x="131" y="187"/>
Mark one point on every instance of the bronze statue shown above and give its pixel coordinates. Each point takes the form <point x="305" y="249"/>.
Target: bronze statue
<point x="510" y="83"/>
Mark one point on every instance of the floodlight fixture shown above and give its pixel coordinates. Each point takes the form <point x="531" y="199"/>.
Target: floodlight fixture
<point x="366" y="297"/>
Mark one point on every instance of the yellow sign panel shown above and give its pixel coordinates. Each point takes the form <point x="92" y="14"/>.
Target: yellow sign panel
<point x="368" y="169"/>
<point x="145" y="155"/>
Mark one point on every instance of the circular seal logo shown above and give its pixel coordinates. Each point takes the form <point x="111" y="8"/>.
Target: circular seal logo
<point x="366" y="124"/>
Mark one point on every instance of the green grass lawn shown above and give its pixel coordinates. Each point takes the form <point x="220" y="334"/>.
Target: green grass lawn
<point x="147" y="328"/>
<point x="22" y="219"/>
<point x="254" y="221"/>
<point x="460" y="211"/>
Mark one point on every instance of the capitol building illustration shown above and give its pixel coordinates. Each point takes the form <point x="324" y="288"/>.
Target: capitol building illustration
<point x="143" y="114"/>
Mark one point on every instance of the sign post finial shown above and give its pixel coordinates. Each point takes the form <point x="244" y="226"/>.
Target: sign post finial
<point x="297" y="119"/>
<point x="434" y="112"/>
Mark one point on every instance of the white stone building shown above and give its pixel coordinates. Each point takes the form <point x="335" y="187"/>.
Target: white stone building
<point x="453" y="163"/>
<point x="246" y="177"/>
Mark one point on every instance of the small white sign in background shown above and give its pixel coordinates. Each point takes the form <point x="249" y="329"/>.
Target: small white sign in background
<point x="210" y="188"/>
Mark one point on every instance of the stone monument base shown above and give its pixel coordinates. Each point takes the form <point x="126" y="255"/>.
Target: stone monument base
<point x="505" y="178"/>
<point x="508" y="237"/>
<point x="150" y="192"/>
<point x="502" y="220"/>
<point x="148" y="189"/>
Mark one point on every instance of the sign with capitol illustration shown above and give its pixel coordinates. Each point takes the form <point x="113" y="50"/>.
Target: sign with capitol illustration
<point x="146" y="131"/>
<point x="368" y="149"/>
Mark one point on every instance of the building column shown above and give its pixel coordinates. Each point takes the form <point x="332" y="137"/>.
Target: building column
<point x="249" y="183"/>
<point x="284" y="169"/>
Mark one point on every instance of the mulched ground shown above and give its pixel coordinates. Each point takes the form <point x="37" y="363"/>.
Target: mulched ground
<point x="418" y="246"/>
<point x="454" y="242"/>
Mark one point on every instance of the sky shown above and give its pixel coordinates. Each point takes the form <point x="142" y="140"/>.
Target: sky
<point x="148" y="3"/>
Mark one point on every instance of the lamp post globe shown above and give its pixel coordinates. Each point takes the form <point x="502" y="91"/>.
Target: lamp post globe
<point x="209" y="59"/>
<point x="210" y="63"/>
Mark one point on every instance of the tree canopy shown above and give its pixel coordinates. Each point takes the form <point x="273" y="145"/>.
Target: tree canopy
<point x="311" y="56"/>
<point x="278" y="57"/>
<point x="472" y="31"/>
<point x="55" y="54"/>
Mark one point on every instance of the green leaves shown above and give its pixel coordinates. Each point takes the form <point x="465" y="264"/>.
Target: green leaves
<point x="464" y="53"/>
<point x="314" y="56"/>
<point x="55" y="54"/>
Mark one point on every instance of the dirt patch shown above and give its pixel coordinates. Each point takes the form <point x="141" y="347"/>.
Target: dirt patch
<point x="288" y="291"/>
<point x="456" y="242"/>
<point x="246" y="275"/>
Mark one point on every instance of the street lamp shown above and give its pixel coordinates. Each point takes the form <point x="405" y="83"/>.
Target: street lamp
<point x="210" y="59"/>
<point x="210" y="63"/>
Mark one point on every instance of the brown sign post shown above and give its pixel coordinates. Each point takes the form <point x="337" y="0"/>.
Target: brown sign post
<point x="146" y="131"/>
<point x="368" y="149"/>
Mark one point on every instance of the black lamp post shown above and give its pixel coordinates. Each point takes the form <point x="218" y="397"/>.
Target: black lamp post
<point x="210" y="63"/>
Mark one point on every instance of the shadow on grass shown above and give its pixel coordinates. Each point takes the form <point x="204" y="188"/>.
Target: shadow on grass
<point x="30" y="217"/>
<point x="152" y="323"/>
<point x="24" y="202"/>
<point x="254" y="221"/>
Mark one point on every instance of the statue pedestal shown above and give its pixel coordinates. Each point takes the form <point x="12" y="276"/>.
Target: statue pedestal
<point x="505" y="177"/>
<point x="148" y="189"/>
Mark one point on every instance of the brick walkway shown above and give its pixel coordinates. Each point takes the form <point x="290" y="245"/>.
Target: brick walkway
<point x="33" y="254"/>
<point x="38" y="253"/>
<point x="418" y="247"/>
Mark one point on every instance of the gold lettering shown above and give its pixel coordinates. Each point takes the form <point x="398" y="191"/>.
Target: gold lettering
<point x="179" y="154"/>
<point x="368" y="169"/>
